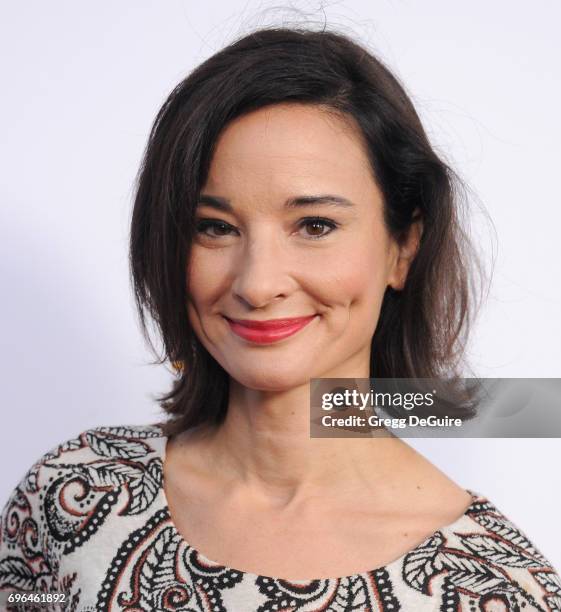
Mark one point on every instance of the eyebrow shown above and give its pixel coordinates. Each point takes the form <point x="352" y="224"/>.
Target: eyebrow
<point x="225" y="205"/>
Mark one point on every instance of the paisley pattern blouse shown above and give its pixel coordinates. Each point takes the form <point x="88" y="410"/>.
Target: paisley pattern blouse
<point x="90" y="518"/>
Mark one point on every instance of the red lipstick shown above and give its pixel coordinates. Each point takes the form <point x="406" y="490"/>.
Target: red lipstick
<point x="265" y="332"/>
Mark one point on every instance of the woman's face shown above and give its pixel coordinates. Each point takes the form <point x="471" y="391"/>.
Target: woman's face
<point x="257" y="258"/>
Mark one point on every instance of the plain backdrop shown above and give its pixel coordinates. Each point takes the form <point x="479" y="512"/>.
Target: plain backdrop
<point x="81" y="84"/>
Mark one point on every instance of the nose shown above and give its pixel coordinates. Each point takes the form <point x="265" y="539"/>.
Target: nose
<point x="261" y="272"/>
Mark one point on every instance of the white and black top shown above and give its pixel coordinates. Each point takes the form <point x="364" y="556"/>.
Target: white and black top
<point x="90" y="518"/>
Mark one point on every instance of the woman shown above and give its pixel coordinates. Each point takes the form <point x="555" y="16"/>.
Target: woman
<point x="291" y="222"/>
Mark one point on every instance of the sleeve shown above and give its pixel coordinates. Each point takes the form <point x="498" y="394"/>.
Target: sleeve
<point x="29" y="557"/>
<point x="509" y="571"/>
<point x="62" y="502"/>
<point x="25" y="562"/>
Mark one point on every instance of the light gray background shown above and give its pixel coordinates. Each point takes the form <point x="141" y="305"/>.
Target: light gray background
<point x="82" y="83"/>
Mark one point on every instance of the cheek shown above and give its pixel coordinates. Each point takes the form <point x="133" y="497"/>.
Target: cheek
<point x="357" y="277"/>
<point x="353" y="288"/>
<point x="203" y="286"/>
<point x="203" y="275"/>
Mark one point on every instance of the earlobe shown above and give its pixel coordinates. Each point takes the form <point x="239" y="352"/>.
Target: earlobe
<point x="408" y="249"/>
<point x="397" y="277"/>
<point x="397" y="280"/>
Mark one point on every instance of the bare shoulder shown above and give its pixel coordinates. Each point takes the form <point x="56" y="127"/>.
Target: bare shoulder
<point x="426" y="491"/>
<point x="187" y="458"/>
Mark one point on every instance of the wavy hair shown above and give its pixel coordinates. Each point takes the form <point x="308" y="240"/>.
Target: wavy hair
<point x="422" y="329"/>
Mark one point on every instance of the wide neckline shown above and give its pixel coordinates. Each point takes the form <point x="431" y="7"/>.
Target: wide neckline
<point x="476" y="499"/>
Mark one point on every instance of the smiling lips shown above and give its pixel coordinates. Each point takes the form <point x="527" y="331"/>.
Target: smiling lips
<point x="265" y="332"/>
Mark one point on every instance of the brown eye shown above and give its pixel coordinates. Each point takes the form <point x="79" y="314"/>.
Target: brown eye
<point x="316" y="226"/>
<point x="221" y="228"/>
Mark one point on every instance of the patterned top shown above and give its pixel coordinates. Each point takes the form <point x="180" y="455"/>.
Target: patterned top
<point x="90" y="518"/>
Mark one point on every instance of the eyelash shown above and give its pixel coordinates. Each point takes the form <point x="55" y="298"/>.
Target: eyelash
<point x="203" y="224"/>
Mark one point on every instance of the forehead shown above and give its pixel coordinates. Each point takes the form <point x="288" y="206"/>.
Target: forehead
<point x="292" y="145"/>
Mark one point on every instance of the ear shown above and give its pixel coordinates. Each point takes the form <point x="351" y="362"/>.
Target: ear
<point x="406" y="249"/>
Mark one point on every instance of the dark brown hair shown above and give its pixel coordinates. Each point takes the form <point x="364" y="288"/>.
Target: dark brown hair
<point x="422" y="329"/>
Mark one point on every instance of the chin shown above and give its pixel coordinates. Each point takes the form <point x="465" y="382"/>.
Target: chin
<point x="273" y="379"/>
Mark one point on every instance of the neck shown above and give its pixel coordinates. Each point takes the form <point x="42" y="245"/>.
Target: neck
<point x="264" y="446"/>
